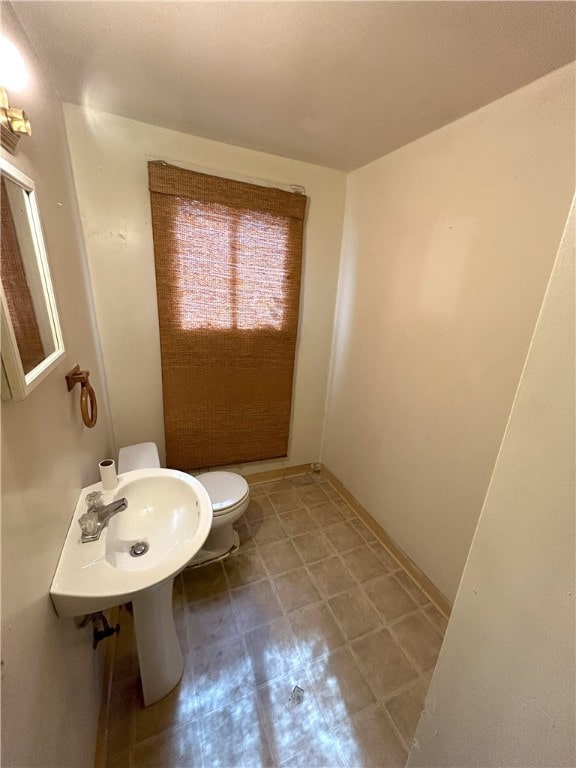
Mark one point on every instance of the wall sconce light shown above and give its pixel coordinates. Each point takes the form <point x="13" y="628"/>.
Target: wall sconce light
<point x="13" y="123"/>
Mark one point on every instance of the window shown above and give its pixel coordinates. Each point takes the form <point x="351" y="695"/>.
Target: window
<point x="228" y="260"/>
<point x="235" y="276"/>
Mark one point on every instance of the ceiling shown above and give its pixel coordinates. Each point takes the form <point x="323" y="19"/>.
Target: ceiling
<point x="333" y="83"/>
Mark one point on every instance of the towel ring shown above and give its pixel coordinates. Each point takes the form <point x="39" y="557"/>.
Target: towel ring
<point x="88" y="403"/>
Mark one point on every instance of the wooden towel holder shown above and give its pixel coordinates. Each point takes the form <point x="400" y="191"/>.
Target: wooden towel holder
<point x="88" y="404"/>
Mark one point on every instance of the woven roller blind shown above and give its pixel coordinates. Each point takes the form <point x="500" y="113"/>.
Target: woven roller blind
<point x="228" y="260"/>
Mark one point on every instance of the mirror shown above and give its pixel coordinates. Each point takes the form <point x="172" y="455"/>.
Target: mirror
<point x="32" y="343"/>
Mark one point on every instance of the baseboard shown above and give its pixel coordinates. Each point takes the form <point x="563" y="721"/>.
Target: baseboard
<point x="420" y="579"/>
<point x="280" y="474"/>
<point x="101" y="752"/>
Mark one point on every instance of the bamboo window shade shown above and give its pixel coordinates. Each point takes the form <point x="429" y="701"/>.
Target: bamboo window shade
<point x="228" y="260"/>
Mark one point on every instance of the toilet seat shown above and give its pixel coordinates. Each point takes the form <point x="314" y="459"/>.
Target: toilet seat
<point x="227" y="490"/>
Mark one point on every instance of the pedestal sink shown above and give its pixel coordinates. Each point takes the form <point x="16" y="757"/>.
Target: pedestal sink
<point x="139" y="553"/>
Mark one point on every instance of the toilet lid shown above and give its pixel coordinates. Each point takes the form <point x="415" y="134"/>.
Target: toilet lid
<point x="224" y="488"/>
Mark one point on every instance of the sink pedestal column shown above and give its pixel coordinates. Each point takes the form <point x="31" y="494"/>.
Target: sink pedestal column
<point x="159" y="652"/>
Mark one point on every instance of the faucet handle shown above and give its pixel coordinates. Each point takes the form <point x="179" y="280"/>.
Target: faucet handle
<point x="88" y="522"/>
<point x="94" y="501"/>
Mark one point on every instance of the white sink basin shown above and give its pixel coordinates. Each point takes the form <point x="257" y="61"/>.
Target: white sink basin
<point x="163" y="514"/>
<point x="169" y="515"/>
<point x="168" y="510"/>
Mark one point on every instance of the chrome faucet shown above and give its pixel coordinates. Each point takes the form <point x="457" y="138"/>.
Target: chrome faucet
<point x="95" y="520"/>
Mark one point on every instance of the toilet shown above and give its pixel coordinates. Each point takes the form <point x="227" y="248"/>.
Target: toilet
<point x="228" y="491"/>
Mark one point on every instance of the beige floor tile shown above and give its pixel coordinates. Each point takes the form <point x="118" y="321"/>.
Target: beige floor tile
<point x="259" y="507"/>
<point x="295" y="589"/>
<point x="277" y="485"/>
<point x="363" y="564"/>
<point x="245" y="535"/>
<point x="222" y="672"/>
<point x="326" y="513"/>
<point x="320" y="752"/>
<point x="389" y="598"/>
<point x="255" y="604"/>
<point x="343" y="536"/>
<point x="405" y="709"/>
<point x="300" y="480"/>
<point x="369" y="741"/>
<point x="311" y="494"/>
<point x="273" y="651"/>
<point x="415" y="592"/>
<point x="233" y="736"/>
<point x="280" y="556"/>
<point x="243" y="568"/>
<point x="312" y="546"/>
<point x="340" y="686"/>
<point x="331" y="492"/>
<point x="385" y="556"/>
<point x="291" y="722"/>
<point x="364" y="531"/>
<point x="383" y="663"/>
<point x="297" y="522"/>
<point x="204" y="582"/>
<point x="179" y="746"/>
<point x="284" y="501"/>
<point x="345" y="509"/>
<point x="330" y="576"/>
<point x="354" y="613"/>
<point x="257" y="490"/>
<point x="177" y="708"/>
<point x="210" y="620"/>
<point x="419" y="640"/>
<point x="266" y="530"/>
<point x="316" y="631"/>
<point x="436" y="618"/>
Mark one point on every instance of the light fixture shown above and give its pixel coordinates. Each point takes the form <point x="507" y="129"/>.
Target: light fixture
<point x="15" y="76"/>
<point x="13" y="123"/>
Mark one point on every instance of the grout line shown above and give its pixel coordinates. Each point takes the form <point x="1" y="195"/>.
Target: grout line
<point x="395" y="729"/>
<point x="404" y="687"/>
<point x="407" y="653"/>
<point x="442" y="634"/>
<point x="264" y="727"/>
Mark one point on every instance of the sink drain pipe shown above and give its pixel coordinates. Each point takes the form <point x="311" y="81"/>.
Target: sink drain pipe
<point x="106" y="630"/>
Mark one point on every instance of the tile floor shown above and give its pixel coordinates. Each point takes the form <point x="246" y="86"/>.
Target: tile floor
<point x="310" y="647"/>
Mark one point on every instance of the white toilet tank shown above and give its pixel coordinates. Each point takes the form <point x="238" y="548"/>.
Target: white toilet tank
<point x="139" y="456"/>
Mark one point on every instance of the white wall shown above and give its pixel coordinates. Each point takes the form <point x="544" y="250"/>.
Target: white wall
<point x="110" y="156"/>
<point x="503" y="690"/>
<point x="51" y="686"/>
<point x="448" y="244"/>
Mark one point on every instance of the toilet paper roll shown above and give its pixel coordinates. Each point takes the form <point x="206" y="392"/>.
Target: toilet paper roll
<point x="108" y="474"/>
